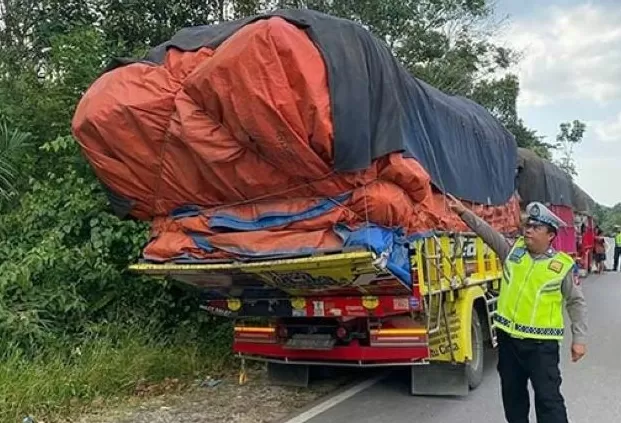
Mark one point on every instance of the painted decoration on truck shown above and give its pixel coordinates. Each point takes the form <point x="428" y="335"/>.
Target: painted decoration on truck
<point x="440" y="344"/>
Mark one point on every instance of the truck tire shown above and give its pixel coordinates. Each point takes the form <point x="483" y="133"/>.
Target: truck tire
<point x="474" y="368"/>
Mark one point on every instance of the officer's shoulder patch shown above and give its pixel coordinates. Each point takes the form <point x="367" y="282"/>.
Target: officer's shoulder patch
<point x="575" y="273"/>
<point x="555" y="266"/>
<point x="517" y="254"/>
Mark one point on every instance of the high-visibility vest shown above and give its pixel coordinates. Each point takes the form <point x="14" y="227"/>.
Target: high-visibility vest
<point x="618" y="239"/>
<point x="530" y="304"/>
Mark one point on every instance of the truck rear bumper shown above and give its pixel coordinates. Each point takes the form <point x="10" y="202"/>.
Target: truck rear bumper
<point x="353" y="355"/>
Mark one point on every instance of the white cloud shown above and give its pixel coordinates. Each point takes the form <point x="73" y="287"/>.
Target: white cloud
<point x="571" y="53"/>
<point x="571" y="67"/>
<point x="597" y="177"/>
<point x="608" y="130"/>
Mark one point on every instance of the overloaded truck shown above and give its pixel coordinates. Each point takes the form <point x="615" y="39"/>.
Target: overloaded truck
<point x="295" y="173"/>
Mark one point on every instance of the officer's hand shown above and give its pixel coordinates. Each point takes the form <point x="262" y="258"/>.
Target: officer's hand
<point x="577" y="352"/>
<point x="455" y="205"/>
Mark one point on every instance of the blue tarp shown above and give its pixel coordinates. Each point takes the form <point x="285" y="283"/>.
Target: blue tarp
<point x="274" y="219"/>
<point x="390" y="242"/>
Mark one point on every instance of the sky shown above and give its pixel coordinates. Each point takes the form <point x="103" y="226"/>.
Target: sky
<point x="571" y="69"/>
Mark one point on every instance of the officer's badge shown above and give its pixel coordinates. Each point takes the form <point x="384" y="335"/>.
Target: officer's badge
<point x="535" y="211"/>
<point x="555" y="266"/>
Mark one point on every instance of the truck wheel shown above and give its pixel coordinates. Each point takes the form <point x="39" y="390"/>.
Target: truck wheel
<point x="474" y="368"/>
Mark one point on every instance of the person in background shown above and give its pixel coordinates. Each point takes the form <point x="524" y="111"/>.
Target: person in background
<point x="617" y="248"/>
<point x="529" y="317"/>
<point x="599" y="253"/>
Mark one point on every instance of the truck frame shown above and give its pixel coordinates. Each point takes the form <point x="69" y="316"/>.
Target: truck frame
<point x="345" y="308"/>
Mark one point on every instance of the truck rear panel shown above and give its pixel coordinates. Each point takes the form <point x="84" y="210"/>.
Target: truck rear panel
<point x="346" y="308"/>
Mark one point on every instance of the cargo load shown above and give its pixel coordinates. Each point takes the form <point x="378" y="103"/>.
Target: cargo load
<point x="289" y="133"/>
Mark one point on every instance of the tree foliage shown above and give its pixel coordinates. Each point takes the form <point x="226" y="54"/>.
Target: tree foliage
<point x="12" y="143"/>
<point x="63" y="260"/>
<point x="608" y="217"/>
<point x="570" y="134"/>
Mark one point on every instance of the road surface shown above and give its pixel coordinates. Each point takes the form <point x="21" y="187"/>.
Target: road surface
<point x="592" y="388"/>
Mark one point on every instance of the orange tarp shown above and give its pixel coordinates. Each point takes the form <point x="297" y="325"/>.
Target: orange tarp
<point x="245" y="129"/>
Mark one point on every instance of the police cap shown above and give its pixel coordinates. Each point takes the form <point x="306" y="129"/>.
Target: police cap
<point x="538" y="214"/>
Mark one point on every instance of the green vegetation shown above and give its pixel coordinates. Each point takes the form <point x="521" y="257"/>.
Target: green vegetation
<point x="75" y="326"/>
<point x="100" y="369"/>
<point x="608" y="218"/>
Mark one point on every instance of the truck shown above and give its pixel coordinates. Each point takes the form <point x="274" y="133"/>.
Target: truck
<point x="345" y="308"/>
<point x="324" y="236"/>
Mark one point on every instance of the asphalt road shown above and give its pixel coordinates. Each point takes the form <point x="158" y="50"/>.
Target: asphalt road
<point x="592" y="388"/>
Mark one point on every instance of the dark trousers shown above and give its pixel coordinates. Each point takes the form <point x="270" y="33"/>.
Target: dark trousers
<point x="617" y="254"/>
<point x="520" y="360"/>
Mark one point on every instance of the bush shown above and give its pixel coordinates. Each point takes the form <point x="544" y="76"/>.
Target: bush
<point x="63" y="381"/>
<point x="75" y="325"/>
<point x="63" y="261"/>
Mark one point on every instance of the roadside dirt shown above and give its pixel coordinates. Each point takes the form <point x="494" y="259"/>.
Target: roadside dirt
<point x="224" y="401"/>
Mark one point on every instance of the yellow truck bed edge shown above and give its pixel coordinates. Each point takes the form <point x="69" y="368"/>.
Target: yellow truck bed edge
<point x="353" y="258"/>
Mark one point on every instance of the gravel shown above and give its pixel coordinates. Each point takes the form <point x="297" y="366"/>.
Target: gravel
<point x="225" y="401"/>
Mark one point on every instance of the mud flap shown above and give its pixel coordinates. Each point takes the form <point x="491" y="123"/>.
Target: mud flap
<point x="296" y="375"/>
<point x="439" y="379"/>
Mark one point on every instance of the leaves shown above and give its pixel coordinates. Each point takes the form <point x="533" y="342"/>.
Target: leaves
<point x="569" y="135"/>
<point x="12" y="143"/>
<point x="62" y="254"/>
<point x="63" y="258"/>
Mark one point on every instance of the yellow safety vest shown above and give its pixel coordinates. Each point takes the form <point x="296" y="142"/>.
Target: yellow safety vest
<point x="618" y="240"/>
<point x="530" y="304"/>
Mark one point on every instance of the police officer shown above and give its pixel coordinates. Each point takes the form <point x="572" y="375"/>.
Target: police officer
<point x="617" y="248"/>
<point x="529" y="317"/>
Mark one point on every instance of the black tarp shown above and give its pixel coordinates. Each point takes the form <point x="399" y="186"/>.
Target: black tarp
<point x="540" y="180"/>
<point x="378" y="108"/>
<point x="582" y="201"/>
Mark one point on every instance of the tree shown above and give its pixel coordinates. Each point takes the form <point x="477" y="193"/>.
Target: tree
<point x="608" y="217"/>
<point x="570" y="135"/>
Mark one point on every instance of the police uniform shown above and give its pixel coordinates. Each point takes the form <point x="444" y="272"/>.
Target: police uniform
<point x="617" y="248"/>
<point x="529" y="318"/>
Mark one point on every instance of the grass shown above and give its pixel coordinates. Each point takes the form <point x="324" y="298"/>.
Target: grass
<point x="66" y="381"/>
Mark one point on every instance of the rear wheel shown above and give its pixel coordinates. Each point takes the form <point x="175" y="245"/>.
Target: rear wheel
<point x="474" y="368"/>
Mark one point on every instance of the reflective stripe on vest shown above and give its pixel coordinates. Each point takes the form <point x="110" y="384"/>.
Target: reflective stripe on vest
<point x="523" y="330"/>
<point x="530" y="304"/>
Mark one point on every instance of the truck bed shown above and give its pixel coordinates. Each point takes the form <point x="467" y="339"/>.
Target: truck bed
<point x="335" y="283"/>
<point x="342" y="274"/>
